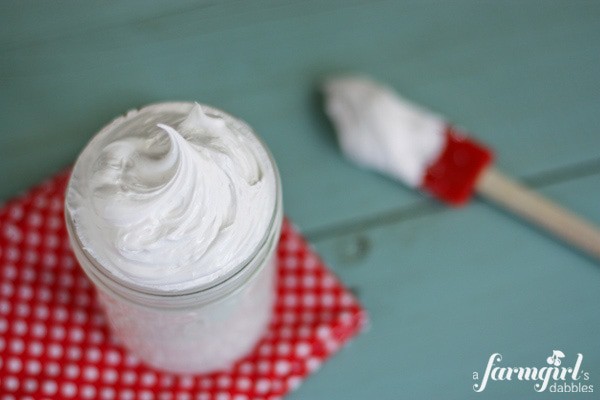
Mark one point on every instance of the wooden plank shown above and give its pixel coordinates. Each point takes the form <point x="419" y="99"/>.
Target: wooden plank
<point x="523" y="76"/>
<point x="447" y="290"/>
<point x="28" y="23"/>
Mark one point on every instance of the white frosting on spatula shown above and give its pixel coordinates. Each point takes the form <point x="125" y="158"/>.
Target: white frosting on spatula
<point x="380" y="130"/>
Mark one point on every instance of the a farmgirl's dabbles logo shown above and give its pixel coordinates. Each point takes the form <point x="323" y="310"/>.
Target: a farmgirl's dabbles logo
<point x="556" y="376"/>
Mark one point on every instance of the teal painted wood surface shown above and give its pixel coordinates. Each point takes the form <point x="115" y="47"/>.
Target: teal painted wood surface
<point x="448" y="288"/>
<point x="444" y="288"/>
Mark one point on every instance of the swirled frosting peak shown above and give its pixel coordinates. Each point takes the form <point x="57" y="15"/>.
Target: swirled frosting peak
<point x="172" y="196"/>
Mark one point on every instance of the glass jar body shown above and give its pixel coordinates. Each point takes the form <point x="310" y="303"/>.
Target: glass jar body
<point x="197" y="338"/>
<point x="190" y="333"/>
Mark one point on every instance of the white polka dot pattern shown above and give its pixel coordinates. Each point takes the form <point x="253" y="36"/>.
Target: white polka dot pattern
<point x="55" y="342"/>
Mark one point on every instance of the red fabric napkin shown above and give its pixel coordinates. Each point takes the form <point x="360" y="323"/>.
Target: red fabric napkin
<point x="55" y="342"/>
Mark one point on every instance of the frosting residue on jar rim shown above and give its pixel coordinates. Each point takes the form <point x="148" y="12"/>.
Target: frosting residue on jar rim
<point x="172" y="197"/>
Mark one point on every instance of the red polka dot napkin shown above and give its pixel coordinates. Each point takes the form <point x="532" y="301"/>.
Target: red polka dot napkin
<point x="55" y="342"/>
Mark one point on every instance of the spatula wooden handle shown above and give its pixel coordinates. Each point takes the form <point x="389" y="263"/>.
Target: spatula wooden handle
<point x="540" y="211"/>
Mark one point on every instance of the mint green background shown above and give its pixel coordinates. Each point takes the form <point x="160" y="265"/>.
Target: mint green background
<point x="444" y="288"/>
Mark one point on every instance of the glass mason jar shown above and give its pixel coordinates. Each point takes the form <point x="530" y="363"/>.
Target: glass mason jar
<point x="196" y="330"/>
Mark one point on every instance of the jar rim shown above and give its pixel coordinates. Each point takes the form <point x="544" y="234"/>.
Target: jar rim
<point x="127" y="289"/>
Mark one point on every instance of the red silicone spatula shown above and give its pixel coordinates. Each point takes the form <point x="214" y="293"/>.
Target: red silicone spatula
<point x="380" y="130"/>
